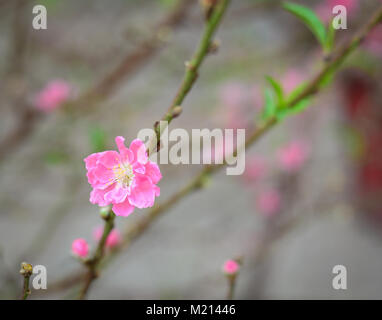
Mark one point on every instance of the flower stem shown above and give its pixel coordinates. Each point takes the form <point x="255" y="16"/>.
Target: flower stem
<point x="231" y="286"/>
<point x="93" y="262"/>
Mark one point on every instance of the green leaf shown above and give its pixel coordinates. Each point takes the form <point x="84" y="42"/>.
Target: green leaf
<point x="98" y="138"/>
<point x="309" y="18"/>
<point x="330" y="36"/>
<point x="270" y="105"/>
<point x="278" y="91"/>
<point x="55" y="157"/>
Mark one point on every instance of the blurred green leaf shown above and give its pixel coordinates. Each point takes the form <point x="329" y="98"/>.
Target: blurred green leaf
<point x="278" y="90"/>
<point x="98" y="138"/>
<point x="309" y="18"/>
<point x="55" y="157"/>
<point x="167" y="3"/>
<point x="330" y="36"/>
<point x="48" y="4"/>
<point x="270" y="105"/>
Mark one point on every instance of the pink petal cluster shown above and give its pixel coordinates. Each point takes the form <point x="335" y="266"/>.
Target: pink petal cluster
<point x="125" y="179"/>
<point x="113" y="239"/>
<point x="230" y="267"/>
<point x="269" y="202"/>
<point x="52" y="95"/>
<point x="293" y="156"/>
<point x="255" y="168"/>
<point x="80" y="248"/>
<point x="325" y="9"/>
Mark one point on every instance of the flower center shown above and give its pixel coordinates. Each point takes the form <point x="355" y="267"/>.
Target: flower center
<point x="124" y="174"/>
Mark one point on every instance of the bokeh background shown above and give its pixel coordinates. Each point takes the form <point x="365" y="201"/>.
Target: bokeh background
<point x="291" y="226"/>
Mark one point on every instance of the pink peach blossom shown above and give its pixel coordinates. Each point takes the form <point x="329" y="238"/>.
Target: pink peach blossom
<point x="114" y="238"/>
<point x="269" y="202"/>
<point x="230" y="267"/>
<point x="80" y="248"/>
<point x="255" y="168"/>
<point x="293" y="156"/>
<point x="126" y="179"/>
<point x="52" y="95"/>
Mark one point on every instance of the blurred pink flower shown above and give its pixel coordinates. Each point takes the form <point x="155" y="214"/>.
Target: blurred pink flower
<point x="232" y="98"/>
<point x="232" y="94"/>
<point x="269" y="202"/>
<point x="257" y="97"/>
<point x="230" y="267"/>
<point x="126" y="179"/>
<point x="52" y="95"/>
<point x="292" y="79"/>
<point x="374" y="41"/>
<point x="255" y="168"/>
<point x="80" y="248"/>
<point x="293" y="156"/>
<point x="114" y="238"/>
<point x="325" y="9"/>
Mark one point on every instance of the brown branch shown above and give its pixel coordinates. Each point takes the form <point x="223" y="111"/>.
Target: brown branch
<point x="93" y="263"/>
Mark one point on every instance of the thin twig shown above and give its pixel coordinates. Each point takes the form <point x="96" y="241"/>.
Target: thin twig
<point x="26" y="271"/>
<point x="192" y="68"/>
<point x="92" y="263"/>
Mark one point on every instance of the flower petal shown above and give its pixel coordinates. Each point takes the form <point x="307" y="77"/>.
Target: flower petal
<point x="126" y="154"/>
<point x="123" y="209"/>
<point x="91" y="160"/>
<point x="109" y="159"/>
<point x="116" y="195"/>
<point x="139" y="150"/>
<point x="153" y="172"/>
<point x="97" y="196"/>
<point x="143" y="192"/>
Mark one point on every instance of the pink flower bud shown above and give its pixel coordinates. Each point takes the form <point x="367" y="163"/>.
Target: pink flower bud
<point x="80" y="248"/>
<point x="231" y="267"/>
<point x="269" y="202"/>
<point x="293" y="156"/>
<point x="114" y="238"/>
<point x="52" y="95"/>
